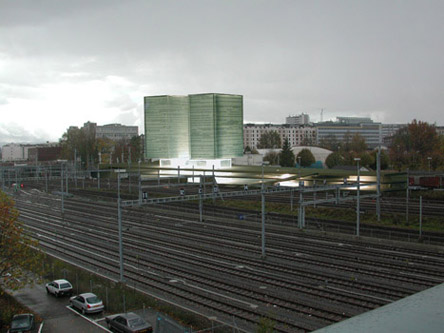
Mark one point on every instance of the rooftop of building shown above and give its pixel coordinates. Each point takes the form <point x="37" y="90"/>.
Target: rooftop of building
<point x="277" y="125"/>
<point x="421" y="312"/>
<point x="223" y="94"/>
<point x="116" y="125"/>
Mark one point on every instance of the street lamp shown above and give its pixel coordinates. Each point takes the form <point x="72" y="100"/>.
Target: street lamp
<point x="357" y="159"/>
<point x="430" y="160"/>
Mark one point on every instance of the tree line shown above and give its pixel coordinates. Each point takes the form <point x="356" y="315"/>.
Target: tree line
<point x="81" y="143"/>
<point x="417" y="146"/>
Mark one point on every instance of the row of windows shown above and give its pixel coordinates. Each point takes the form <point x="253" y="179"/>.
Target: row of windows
<point x="279" y="131"/>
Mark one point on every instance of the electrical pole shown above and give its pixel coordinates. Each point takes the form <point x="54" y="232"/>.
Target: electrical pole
<point x="263" y="213"/>
<point x="407" y="199"/>
<point x="75" y="166"/>
<point x="378" y="186"/>
<point x="358" y="213"/>
<point x="119" y="217"/>
<point x="61" y="186"/>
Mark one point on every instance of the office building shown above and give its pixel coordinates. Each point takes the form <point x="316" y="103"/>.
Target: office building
<point x="301" y="119"/>
<point x="193" y="128"/>
<point x="345" y="127"/>
<point x="116" y="132"/>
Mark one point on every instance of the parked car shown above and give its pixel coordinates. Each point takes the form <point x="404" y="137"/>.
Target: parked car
<point x="87" y="303"/>
<point x="59" y="288"/>
<point x="22" y="323"/>
<point x="128" y="323"/>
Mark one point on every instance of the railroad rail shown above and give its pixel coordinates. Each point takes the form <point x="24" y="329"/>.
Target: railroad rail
<point x="306" y="282"/>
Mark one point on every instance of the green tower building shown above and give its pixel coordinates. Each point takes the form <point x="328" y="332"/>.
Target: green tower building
<point x="194" y="127"/>
<point x="167" y="127"/>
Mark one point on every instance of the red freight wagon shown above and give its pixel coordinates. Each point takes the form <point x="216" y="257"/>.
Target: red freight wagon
<point x="430" y="181"/>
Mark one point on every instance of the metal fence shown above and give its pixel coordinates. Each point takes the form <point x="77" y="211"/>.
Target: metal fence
<point x="164" y="324"/>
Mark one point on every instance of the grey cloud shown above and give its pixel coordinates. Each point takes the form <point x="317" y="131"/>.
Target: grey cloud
<point x="14" y="133"/>
<point x="285" y="57"/>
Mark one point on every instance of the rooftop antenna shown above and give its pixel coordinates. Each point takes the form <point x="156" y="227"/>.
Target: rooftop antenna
<point x="322" y="115"/>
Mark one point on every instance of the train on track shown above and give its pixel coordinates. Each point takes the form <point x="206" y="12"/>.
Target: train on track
<point x="432" y="182"/>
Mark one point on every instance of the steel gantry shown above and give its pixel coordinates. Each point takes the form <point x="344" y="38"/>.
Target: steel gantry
<point x="263" y="191"/>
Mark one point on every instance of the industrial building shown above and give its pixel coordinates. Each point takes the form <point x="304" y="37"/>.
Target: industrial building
<point x="201" y="129"/>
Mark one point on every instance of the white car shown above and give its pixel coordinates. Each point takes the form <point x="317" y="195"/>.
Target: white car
<point x="59" y="288"/>
<point x="87" y="303"/>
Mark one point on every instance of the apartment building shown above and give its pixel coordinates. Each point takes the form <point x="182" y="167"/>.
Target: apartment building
<point x="296" y="134"/>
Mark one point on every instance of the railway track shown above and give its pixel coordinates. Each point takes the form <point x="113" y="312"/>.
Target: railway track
<point x="369" y="230"/>
<point x="389" y="204"/>
<point x="306" y="281"/>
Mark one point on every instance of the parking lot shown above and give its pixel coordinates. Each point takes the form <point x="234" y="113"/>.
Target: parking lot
<point x="58" y="316"/>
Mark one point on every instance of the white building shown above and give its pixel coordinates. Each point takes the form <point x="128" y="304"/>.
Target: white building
<point x="116" y="132"/>
<point x="320" y="154"/>
<point x="297" y="135"/>
<point x="248" y="159"/>
<point x="301" y="119"/>
<point x="14" y="152"/>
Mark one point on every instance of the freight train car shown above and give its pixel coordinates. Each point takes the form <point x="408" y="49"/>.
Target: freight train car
<point x="426" y="181"/>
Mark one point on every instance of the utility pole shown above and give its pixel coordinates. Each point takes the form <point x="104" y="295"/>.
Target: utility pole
<point x="140" y="186"/>
<point x="358" y="208"/>
<point x="263" y="213"/>
<point x="407" y="199"/>
<point x="299" y="168"/>
<point x="129" y="157"/>
<point x="119" y="217"/>
<point x="420" y="216"/>
<point x="378" y="186"/>
<point x="200" y="200"/>
<point x="75" y="167"/>
<point x="61" y="186"/>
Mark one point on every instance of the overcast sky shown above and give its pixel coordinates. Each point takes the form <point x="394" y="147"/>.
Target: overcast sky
<point x="63" y="63"/>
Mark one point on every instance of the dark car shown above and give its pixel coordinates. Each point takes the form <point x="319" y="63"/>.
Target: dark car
<point x="128" y="322"/>
<point x="22" y="323"/>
